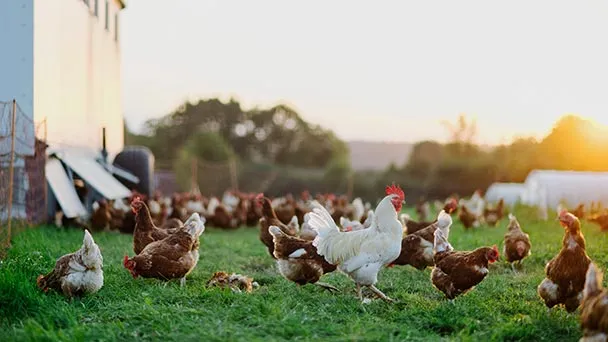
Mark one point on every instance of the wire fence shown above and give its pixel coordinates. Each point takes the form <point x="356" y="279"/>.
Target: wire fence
<point x="210" y="178"/>
<point x="213" y="178"/>
<point x="22" y="177"/>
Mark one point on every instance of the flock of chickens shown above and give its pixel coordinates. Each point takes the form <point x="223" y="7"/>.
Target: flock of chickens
<point x="312" y="237"/>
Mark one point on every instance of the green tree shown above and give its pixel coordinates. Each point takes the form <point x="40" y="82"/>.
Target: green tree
<point x="516" y="160"/>
<point x="277" y="135"/>
<point x="425" y="157"/>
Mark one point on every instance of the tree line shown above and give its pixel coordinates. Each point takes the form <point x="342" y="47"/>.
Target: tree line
<point x="279" y="140"/>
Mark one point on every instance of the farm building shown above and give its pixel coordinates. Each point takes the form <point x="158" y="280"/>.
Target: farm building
<point x="75" y="82"/>
<point x="511" y="193"/>
<point x="547" y="188"/>
<point x="74" y="86"/>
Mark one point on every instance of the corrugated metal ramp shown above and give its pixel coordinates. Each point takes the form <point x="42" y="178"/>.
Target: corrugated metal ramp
<point x="63" y="189"/>
<point x="95" y="175"/>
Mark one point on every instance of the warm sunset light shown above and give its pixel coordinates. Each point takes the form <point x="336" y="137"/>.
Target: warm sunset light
<point x="320" y="170"/>
<point x="404" y="63"/>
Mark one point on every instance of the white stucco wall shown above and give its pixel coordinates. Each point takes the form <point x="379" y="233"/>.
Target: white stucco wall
<point x="77" y="73"/>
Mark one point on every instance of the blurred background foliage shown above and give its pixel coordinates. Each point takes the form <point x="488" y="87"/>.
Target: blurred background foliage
<point x="276" y="151"/>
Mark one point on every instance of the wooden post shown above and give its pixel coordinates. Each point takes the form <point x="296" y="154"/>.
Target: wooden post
<point x="233" y="175"/>
<point x="194" y="174"/>
<point x="11" y="174"/>
<point x="350" y="185"/>
<point x="46" y="194"/>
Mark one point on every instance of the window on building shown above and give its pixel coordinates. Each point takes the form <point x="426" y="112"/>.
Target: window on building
<point x="96" y="8"/>
<point x="116" y="27"/>
<point x="107" y="15"/>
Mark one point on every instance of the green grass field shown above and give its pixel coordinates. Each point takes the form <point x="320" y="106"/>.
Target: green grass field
<point x="504" y="307"/>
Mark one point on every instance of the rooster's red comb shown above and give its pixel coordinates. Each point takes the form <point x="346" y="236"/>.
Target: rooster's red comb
<point x="395" y="190"/>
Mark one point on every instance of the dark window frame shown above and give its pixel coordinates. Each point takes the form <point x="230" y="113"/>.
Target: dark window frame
<point x="107" y="15"/>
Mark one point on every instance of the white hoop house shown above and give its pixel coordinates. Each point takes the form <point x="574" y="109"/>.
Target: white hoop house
<point x="511" y="193"/>
<point x="547" y="188"/>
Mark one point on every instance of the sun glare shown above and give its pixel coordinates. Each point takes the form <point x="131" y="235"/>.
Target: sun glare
<point x="598" y="129"/>
<point x="601" y="121"/>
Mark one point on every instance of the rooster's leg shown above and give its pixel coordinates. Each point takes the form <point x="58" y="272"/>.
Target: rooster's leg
<point x="182" y="282"/>
<point x="380" y="294"/>
<point x="359" y="293"/>
<point x="328" y="287"/>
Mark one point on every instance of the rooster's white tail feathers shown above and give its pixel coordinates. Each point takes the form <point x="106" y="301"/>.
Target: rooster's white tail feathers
<point x="322" y="222"/>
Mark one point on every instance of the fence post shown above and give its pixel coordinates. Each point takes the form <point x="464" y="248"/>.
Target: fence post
<point x="193" y="174"/>
<point x="46" y="190"/>
<point x="350" y="184"/>
<point x="11" y="174"/>
<point x="233" y="175"/>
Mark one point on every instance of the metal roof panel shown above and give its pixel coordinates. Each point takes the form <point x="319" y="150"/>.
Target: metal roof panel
<point x="63" y="189"/>
<point x="95" y="175"/>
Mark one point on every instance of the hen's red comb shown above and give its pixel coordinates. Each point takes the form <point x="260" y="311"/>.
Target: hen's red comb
<point x="495" y="248"/>
<point x="125" y="261"/>
<point x="395" y="190"/>
<point x="259" y="196"/>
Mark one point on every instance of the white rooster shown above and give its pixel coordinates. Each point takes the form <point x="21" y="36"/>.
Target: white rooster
<point x="361" y="254"/>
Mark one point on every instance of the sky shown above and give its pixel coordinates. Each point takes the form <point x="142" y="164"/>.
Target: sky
<point x="373" y="70"/>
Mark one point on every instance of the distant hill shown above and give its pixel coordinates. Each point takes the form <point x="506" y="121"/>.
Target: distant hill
<point x="367" y="155"/>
